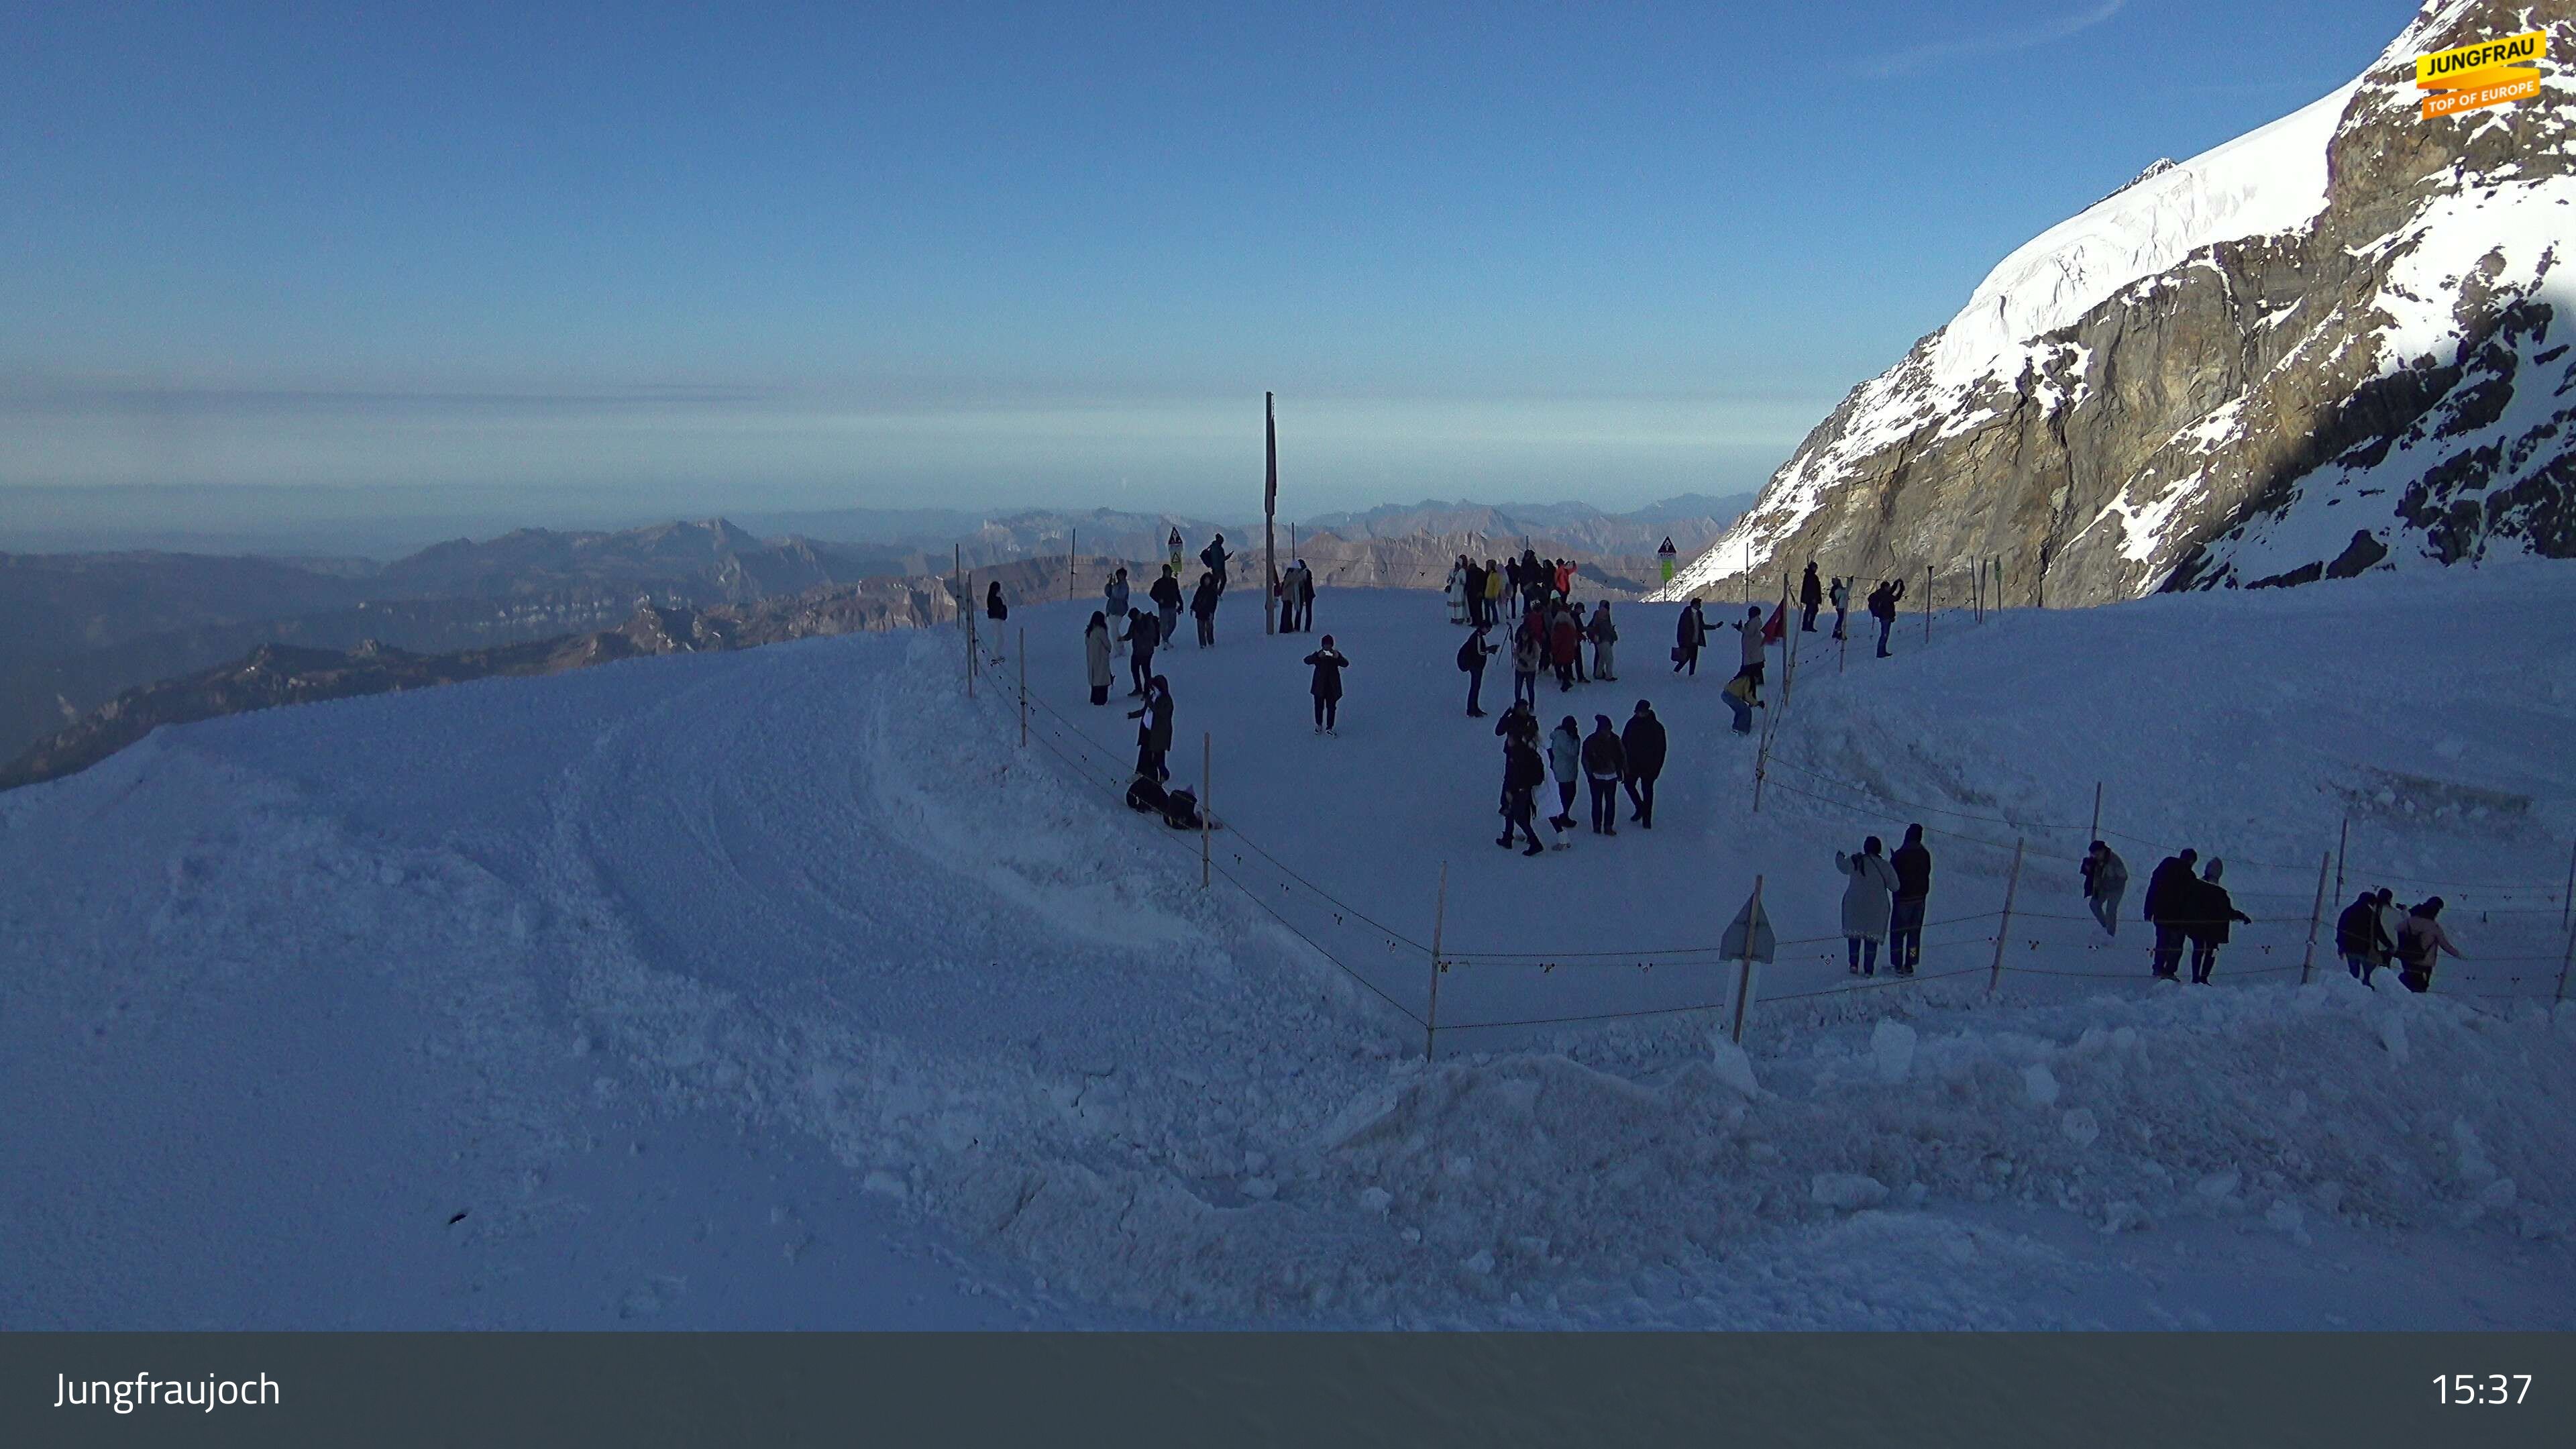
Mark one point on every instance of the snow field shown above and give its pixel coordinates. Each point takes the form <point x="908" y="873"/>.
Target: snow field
<point x="699" y="983"/>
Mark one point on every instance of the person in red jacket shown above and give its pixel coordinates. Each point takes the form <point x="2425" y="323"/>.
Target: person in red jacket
<point x="1563" y="641"/>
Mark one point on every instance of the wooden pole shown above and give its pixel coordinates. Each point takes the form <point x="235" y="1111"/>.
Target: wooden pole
<point x="2564" y="957"/>
<point x="969" y="633"/>
<point x="1024" y="686"/>
<point x="2343" y="839"/>
<point x="1072" y="547"/>
<point x="1207" y="799"/>
<point x="2096" y="832"/>
<point x="1431" y="1012"/>
<point x="1270" y="518"/>
<point x="2316" y="914"/>
<point x="1927" y="603"/>
<point x="1744" y="974"/>
<point x="2570" y="893"/>
<point x="2003" y="928"/>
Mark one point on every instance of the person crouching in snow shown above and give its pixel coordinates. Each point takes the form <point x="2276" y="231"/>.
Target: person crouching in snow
<point x="1868" y="901"/>
<point x="1738" y="695"/>
<point x="1327" y="685"/>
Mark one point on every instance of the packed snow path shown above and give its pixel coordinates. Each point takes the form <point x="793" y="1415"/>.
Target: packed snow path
<point x="788" y="988"/>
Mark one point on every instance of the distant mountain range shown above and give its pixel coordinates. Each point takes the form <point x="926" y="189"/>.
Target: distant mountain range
<point x="89" y="630"/>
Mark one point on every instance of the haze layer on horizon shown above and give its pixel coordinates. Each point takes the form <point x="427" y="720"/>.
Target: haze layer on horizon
<point x="595" y="264"/>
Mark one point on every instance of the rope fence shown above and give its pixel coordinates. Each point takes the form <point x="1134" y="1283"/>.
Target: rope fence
<point x="1066" y="739"/>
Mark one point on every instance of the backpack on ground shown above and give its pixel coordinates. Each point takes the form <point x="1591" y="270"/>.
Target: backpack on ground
<point x="1181" y="810"/>
<point x="1147" y="795"/>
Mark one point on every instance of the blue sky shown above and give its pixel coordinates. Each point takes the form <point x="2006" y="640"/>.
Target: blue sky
<point x="688" y="257"/>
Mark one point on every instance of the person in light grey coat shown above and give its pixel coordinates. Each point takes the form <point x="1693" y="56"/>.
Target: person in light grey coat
<point x="2106" y="879"/>
<point x="1867" y="903"/>
<point x="1114" y="600"/>
<point x="1095" y="656"/>
<point x="1605" y="639"/>
<point x="1565" y="760"/>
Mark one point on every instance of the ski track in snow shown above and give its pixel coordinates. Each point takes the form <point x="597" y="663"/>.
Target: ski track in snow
<point x="785" y="988"/>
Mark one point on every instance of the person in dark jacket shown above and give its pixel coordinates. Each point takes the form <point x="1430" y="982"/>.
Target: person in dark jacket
<point x="1471" y="658"/>
<point x="2106" y="879"/>
<point x="1520" y="722"/>
<point x="1913" y="866"/>
<point x="1327" y="685"/>
<point x="1095" y="656"/>
<point x="2361" y="940"/>
<point x="1142" y="636"/>
<point x="1475" y="595"/>
<point x="1203" y="608"/>
<point x="1305" y="593"/>
<point x="1523" y="772"/>
<point x="2210" y="912"/>
<point x="1643" y="741"/>
<point x="1882" y="607"/>
<point x="994" y="608"/>
<point x="1689" y="633"/>
<point x="1154" y="737"/>
<point x="2168" y="898"/>
<point x="1215" y="556"/>
<point x="1166" y="594"/>
<point x="1811" y="597"/>
<point x="1605" y="763"/>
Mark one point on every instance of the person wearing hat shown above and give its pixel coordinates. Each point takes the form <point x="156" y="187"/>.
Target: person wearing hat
<point x="1328" y="663"/>
<point x="2166" y="907"/>
<point x="2210" y="913"/>
<point x="2106" y="879"/>
<point x="2420" y="943"/>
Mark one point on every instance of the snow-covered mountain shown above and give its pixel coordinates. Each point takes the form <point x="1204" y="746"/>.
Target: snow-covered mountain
<point x="2339" y="342"/>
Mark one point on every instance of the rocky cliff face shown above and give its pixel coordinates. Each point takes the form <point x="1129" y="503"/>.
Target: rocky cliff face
<point x="2337" y="344"/>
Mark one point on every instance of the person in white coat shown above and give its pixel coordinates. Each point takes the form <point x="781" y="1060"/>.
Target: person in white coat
<point x="1456" y="589"/>
<point x="1565" y="761"/>
<point x="1867" y="901"/>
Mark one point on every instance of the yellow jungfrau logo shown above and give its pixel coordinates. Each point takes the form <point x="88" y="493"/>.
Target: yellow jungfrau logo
<point x="2489" y="73"/>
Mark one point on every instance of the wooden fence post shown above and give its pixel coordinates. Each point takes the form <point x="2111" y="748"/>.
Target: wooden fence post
<point x="1431" y="1011"/>
<point x="2316" y="914"/>
<point x="1024" y="686"/>
<point x="2096" y="833"/>
<point x="2564" y="958"/>
<point x="1927" y="603"/>
<point x="1744" y="976"/>
<point x="2343" y="838"/>
<point x="2003" y="928"/>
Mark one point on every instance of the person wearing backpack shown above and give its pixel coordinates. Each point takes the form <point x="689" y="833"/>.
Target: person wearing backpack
<point x="1215" y="556"/>
<point x="1471" y="658"/>
<point x="1143" y="635"/>
<point x="1868" y="905"/>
